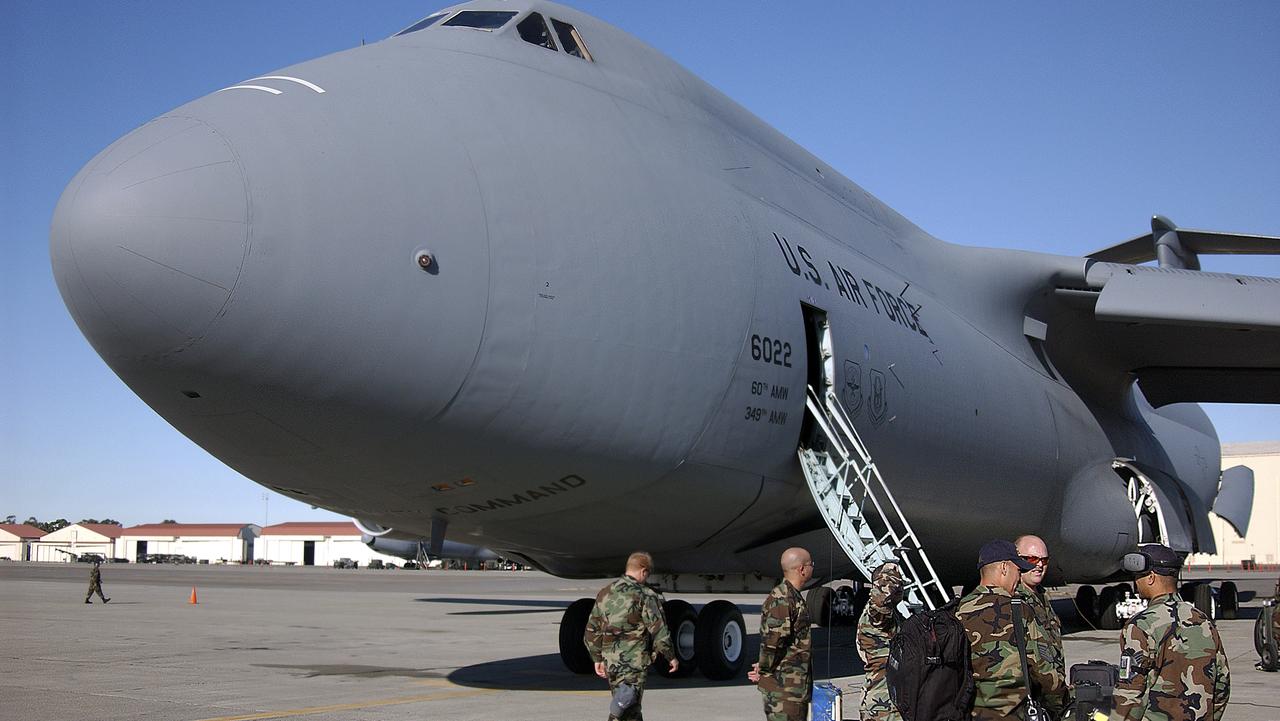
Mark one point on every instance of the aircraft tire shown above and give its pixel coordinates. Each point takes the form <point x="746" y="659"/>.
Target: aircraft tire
<point x="573" y="624"/>
<point x="853" y="601"/>
<point x="1187" y="591"/>
<point x="682" y="624"/>
<point x="1203" y="599"/>
<point x="1229" y="600"/>
<point x="1107" y="600"/>
<point x="820" y="600"/>
<point x="720" y="640"/>
<point x="1087" y="604"/>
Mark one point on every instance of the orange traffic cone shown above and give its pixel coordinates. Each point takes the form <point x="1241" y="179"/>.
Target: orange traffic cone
<point x="193" y="595"/>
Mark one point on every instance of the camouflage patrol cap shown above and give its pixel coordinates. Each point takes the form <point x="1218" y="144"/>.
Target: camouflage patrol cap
<point x="887" y="577"/>
<point x="886" y="583"/>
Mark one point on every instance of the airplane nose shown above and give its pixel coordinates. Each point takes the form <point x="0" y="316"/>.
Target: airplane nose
<point x="149" y="239"/>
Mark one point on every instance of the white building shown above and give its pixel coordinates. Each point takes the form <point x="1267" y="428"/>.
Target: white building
<point x="18" y="540"/>
<point x="78" y="538"/>
<point x="303" y="543"/>
<point x="1262" y="544"/>
<point x="209" y="542"/>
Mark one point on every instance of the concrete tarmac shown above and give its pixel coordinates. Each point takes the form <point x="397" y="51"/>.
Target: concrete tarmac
<point x="323" y="644"/>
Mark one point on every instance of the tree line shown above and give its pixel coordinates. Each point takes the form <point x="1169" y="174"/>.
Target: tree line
<point x="60" y="523"/>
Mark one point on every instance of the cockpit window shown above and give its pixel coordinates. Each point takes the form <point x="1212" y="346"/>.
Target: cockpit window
<point x="425" y="22"/>
<point x="570" y="40"/>
<point x="533" y="29"/>
<point x="488" y="20"/>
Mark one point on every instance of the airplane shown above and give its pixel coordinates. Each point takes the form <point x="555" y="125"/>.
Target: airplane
<point x="429" y="552"/>
<point x="514" y="278"/>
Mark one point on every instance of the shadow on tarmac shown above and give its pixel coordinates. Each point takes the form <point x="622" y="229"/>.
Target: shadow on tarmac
<point x="546" y="672"/>
<point x="312" y="671"/>
<point x="535" y="605"/>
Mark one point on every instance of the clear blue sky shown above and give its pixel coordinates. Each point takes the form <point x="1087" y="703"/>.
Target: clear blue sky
<point x="1058" y="127"/>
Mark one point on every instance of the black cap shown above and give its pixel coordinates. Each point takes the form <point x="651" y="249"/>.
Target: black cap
<point x="1002" y="550"/>
<point x="1161" y="559"/>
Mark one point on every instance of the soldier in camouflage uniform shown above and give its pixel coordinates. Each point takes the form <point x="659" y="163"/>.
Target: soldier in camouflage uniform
<point x="1275" y="616"/>
<point x="1172" y="666"/>
<point x="1034" y="551"/>
<point x="1274" y="610"/>
<point x="625" y="630"/>
<point x="785" y="670"/>
<point x="95" y="583"/>
<point x="876" y="628"/>
<point x="987" y="615"/>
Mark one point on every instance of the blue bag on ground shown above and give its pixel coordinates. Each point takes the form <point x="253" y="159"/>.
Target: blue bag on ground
<point x="827" y="704"/>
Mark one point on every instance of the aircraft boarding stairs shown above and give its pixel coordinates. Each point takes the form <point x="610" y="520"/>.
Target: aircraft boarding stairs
<point x="858" y="507"/>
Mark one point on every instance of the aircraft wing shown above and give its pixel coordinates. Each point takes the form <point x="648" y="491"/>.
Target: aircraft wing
<point x="1186" y="335"/>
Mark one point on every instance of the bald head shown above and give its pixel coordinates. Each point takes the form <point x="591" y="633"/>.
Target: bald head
<point x="797" y="566"/>
<point x="793" y="558"/>
<point x="1033" y="547"/>
<point x="1030" y="545"/>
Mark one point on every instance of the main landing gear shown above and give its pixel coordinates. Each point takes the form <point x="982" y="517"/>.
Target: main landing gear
<point x="1109" y="608"/>
<point x="713" y="639"/>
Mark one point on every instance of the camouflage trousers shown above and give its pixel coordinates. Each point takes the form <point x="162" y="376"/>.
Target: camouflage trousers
<point x="92" y="588"/>
<point x="782" y="707"/>
<point x="876" y="703"/>
<point x="633" y="713"/>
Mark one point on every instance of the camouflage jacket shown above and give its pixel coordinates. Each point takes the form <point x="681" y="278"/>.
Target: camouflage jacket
<point x="1050" y="626"/>
<point x="1000" y="690"/>
<point x="625" y="629"/>
<point x="876" y="628"/>
<point x="95" y="576"/>
<point x="785" y="655"/>
<point x="1275" y="617"/>
<point x="1176" y="666"/>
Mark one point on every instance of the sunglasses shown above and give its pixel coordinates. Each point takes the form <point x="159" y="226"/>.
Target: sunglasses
<point x="1036" y="560"/>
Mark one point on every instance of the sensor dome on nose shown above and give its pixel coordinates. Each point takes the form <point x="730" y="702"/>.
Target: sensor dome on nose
<point x="149" y="240"/>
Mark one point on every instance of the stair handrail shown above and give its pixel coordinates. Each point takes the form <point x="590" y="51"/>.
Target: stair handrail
<point x="845" y="443"/>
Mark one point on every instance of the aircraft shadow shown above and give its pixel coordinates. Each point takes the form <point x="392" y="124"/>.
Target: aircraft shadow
<point x="355" y="670"/>
<point x="834" y="655"/>
<point x="530" y="605"/>
<point x="538" y="606"/>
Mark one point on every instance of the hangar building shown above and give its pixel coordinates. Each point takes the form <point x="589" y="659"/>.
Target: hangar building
<point x="18" y="541"/>
<point x="1261" y="546"/>
<point x="304" y="543"/>
<point x="206" y="542"/>
<point x="78" y="538"/>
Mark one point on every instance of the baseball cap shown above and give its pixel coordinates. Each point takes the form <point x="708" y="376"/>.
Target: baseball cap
<point x="1001" y="550"/>
<point x="1153" y="558"/>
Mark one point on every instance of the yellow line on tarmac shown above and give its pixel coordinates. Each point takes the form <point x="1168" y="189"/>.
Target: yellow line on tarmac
<point x="288" y="713"/>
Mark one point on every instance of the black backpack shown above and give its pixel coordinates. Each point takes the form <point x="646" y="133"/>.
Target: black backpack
<point x="929" y="672"/>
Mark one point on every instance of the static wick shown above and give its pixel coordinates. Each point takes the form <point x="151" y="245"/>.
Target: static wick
<point x="425" y="260"/>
